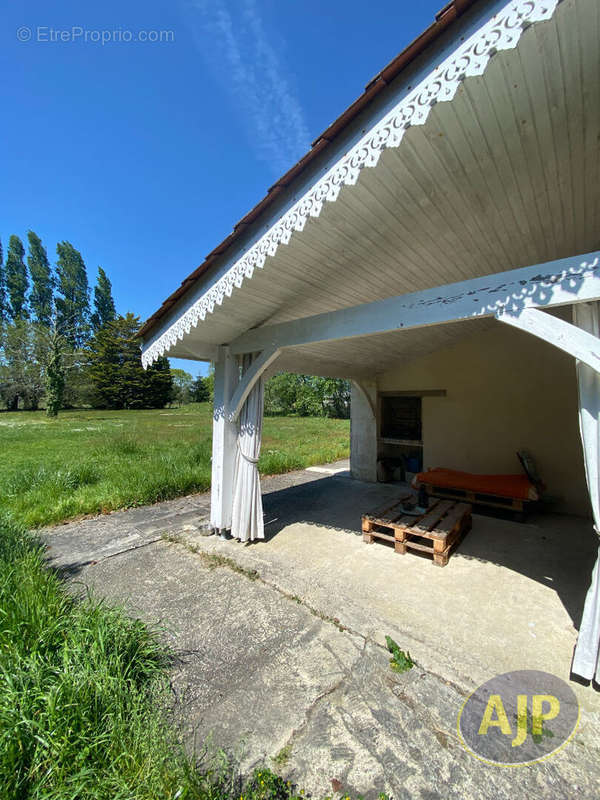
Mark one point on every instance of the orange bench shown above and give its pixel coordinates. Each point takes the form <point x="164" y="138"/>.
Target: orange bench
<point x="501" y="491"/>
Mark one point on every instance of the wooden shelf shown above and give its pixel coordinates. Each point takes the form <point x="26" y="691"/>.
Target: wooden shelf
<point x="404" y="442"/>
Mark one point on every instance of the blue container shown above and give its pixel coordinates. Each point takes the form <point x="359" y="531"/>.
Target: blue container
<point x="412" y="464"/>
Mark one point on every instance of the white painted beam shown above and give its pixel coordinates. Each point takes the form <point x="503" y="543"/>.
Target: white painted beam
<point x="555" y="283"/>
<point x="205" y="353"/>
<point x="573" y="340"/>
<point x="252" y="374"/>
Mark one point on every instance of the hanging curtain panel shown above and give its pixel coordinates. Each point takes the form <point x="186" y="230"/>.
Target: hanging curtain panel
<point x="247" y="523"/>
<point x="586" y="662"/>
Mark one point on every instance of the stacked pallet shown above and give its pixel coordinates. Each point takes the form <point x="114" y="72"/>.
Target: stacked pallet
<point x="435" y="532"/>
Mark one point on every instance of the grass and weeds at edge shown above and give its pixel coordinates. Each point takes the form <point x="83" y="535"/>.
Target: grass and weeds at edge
<point x="85" y="701"/>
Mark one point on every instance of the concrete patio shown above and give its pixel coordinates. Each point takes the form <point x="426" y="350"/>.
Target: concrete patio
<point x="280" y="643"/>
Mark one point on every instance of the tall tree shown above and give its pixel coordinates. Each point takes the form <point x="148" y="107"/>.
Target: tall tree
<point x="21" y="380"/>
<point x="182" y="386"/>
<point x="17" y="282"/>
<point x="116" y="372"/>
<point x="42" y="282"/>
<point x="3" y="308"/>
<point x="55" y="372"/>
<point x="159" y="384"/>
<point x="200" y="390"/>
<point x="104" y="305"/>
<point x="73" y="302"/>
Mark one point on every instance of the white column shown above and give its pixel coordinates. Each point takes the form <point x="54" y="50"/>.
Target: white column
<point x="586" y="661"/>
<point x="224" y="441"/>
<point x="363" y="431"/>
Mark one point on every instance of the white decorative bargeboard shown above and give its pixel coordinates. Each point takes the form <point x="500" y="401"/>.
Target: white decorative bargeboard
<point x="500" y="32"/>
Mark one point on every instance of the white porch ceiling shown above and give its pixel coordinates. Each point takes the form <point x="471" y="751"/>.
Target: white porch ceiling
<point x="505" y="175"/>
<point x="364" y="357"/>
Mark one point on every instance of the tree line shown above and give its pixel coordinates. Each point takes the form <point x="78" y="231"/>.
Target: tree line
<point x="307" y="396"/>
<point x="286" y="394"/>
<point x="64" y="345"/>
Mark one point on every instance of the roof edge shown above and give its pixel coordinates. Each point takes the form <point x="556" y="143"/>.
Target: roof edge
<point x="443" y="19"/>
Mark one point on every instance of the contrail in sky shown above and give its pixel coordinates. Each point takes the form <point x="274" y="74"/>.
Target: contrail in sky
<point x="235" y="45"/>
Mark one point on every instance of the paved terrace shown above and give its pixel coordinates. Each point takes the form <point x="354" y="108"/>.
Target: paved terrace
<point x="280" y="646"/>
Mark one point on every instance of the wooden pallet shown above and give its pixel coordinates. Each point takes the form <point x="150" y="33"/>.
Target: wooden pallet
<point x="434" y="533"/>
<point x="476" y="498"/>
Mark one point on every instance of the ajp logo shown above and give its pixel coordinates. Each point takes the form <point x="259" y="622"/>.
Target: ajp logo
<point x="518" y="718"/>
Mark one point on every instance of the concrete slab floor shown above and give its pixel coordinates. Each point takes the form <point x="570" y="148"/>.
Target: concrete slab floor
<point x="285" y="656"/>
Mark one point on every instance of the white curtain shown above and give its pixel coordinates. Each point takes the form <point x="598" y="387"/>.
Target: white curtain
<point x="247" y="523"/>
<point x="586" y="662"/>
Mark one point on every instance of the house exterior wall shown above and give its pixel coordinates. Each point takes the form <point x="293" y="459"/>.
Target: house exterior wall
<point x="505" y="390"/>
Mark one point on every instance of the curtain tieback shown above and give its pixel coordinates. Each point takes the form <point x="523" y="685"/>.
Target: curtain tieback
<point x="247" y="458"/>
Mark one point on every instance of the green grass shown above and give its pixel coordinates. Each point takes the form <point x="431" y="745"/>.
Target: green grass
<point x="84" y="700"/>
<point x="86" y="462"/>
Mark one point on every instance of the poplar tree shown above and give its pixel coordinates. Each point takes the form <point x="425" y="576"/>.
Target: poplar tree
<point x="55" y="373"/>
<point x="42" y="282"/>
<point x="72" y="302"/>
<point x="16" y="280"/>
<point x="104" y="305"/>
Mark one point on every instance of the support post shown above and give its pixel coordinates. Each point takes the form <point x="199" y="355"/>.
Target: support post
<point x="224" y="441"/>
<point x="363" y="431"/>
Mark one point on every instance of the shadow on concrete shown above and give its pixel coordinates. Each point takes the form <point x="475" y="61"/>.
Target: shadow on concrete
<point x="68" y="572"/>
<point x="554" y="549"/>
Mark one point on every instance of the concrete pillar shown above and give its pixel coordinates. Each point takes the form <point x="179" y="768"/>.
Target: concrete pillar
<point x="363" y="431"/>
<point x="224" y="442"/>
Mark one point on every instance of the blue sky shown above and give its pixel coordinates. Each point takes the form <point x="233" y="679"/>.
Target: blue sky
<point x="144" y="154"/>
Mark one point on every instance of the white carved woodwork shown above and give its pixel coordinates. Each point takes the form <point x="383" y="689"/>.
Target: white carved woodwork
<point x="500" y="32"/>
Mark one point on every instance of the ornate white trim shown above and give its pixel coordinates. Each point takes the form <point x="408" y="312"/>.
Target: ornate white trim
<point x="501" y="32"/>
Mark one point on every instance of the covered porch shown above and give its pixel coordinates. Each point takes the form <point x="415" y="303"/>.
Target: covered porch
<point x="511" y="597"/>
<point x="440" y="240"/>
<point x="281" y="644"/>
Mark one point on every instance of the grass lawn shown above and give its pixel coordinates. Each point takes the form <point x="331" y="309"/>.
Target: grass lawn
<point x="87" y="462"/>
<point x="84" y="698"/>
<point x="84" y="689"/>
